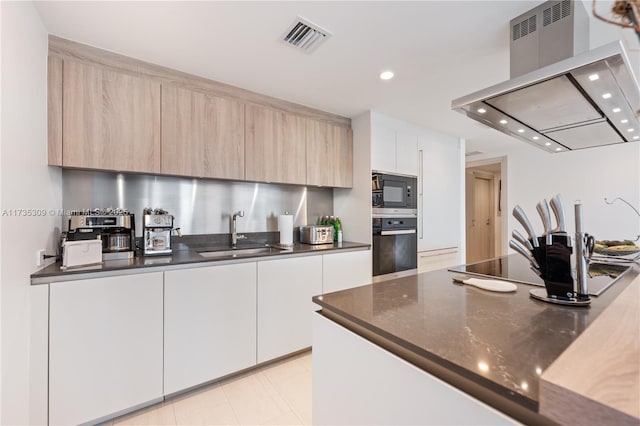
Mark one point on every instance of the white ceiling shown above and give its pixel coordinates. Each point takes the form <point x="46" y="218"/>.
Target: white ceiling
<point x="439" y="50"/>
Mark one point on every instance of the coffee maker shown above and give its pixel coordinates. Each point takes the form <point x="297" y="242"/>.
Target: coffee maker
<point x="114" y="227"/>
<point x="156" y="234"/>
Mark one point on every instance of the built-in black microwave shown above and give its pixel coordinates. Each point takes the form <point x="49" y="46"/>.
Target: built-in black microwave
<point x="390" y="191"/>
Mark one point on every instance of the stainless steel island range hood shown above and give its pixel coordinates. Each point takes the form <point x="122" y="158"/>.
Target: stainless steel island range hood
<point x="588" y="99"/>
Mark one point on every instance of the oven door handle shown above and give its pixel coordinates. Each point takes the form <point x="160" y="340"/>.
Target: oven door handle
<point x="398" y="232"/>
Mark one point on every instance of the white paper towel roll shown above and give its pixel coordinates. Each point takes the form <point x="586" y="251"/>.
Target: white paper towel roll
<point x="285" y="226"/>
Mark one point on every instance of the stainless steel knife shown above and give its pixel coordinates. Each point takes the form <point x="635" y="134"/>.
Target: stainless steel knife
<point x="543" y="211"/>
<point x="519" y="214"/>
<point x="558" y="211"/>
<point x="521" y="239"/>
<point x="523" y="251"/>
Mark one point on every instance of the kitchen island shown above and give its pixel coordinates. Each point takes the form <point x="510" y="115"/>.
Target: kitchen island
<point x="426" y="350"/>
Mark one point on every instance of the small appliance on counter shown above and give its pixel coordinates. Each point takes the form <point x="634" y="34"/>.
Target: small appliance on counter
<point x="114" y="227"/>
<point x="316" y="234"/>
<point x="81" y="253"/>
<point x="156" y="233"/>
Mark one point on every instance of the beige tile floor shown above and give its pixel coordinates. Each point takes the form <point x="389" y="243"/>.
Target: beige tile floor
<point x="277" y="394"/>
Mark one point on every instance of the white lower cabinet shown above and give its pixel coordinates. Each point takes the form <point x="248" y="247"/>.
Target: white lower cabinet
<point x="285" y="310"/>
<point x="105" y="346"/>
<point x="341" y="271"/>
<point x="209" y="324"/>
<point x="437" y="259"/>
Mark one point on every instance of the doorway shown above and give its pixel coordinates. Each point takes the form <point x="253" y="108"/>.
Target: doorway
<point x="484" y="210"/>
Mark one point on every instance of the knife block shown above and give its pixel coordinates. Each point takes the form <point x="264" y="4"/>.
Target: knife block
<point x="554" y="259"/>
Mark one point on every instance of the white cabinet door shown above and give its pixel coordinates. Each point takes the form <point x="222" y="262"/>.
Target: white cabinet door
<point x="407" y="151"/>
<point x="441" y="213"/>
<point x="105" y="346"/>
<point x="438" y="259"/>
<point x="210" y="323"/>
<point x="383" y="145"/>
<point x="341" y="271"/>
<point x="285" y="289"/>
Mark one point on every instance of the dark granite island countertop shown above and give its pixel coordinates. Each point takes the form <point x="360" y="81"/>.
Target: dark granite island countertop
<point x="496" y="342"/>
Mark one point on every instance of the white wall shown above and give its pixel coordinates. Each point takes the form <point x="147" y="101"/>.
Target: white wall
<point x="588" y="175"/>
<point x="353" y="206"/>
<point x="26" y="183"/>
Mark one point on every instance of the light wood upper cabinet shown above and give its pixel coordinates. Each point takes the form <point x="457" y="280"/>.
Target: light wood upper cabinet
<point x="110" y="120"/>
<point x="329" y="154"/>
<point x="275" y="142"/>
<point x="202" y="134"/>
<point x="54" y="110"/>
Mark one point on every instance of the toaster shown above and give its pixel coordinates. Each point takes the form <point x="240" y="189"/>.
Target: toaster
<point x="316" y="234"/>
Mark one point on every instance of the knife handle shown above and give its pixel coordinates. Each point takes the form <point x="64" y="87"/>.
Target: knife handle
<point x="520" y="215"/>
<point x="521" y="239"/>
<point x="517" y="247"/>
<point x="558" y="210"/>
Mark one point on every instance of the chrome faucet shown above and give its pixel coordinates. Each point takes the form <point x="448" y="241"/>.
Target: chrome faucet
<point x="234" y="234"/>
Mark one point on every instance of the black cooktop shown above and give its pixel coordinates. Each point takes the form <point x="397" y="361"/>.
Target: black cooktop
<point x="516" y="269"/>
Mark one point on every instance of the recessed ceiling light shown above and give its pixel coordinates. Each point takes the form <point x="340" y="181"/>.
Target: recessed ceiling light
<point x="520" y="130"/>
<point x="547" y="144"/>
<point x="606" y="95"/>
<point x="503" y="121"/>
<point x="482" y="110"/>
<point x="535" y="138"/>
<point x="630" y="130"/>
<point x="483" y="366"/>
<point x="558" y="149"/>
<point x="386" y="75"/>
<point x="636" y="137"/>
<point x="594" y="77"/>
<point x="616" y="110"/>
<point x="625" y="121"/>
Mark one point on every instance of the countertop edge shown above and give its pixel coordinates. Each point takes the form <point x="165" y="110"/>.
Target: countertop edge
<point x="606" y="389"/>
<point x="47" y="278"/>
<point x="523" y="410"/>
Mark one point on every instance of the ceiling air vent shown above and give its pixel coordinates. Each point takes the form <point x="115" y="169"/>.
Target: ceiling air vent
<point x="305" y="35"/>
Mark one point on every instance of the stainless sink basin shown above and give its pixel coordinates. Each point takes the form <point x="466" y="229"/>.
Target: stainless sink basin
<point x="240" y="252"/>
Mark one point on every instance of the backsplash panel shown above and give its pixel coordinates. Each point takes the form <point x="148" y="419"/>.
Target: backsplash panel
<point x="200" y="206"/>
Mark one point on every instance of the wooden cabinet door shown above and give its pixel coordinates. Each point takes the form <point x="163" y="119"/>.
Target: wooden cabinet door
<point x="202" y="134"/>
<point x="111" y="120"/>
<point x="105" y="346"/>
<point x="209" y="323"/>
<point x="329" y="154"/>
<point x="284" y="304"/>
<point x="276" y="149"/>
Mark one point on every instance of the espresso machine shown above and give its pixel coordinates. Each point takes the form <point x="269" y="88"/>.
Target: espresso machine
<point x="114" y="227"/>
<point x="156" y="233"/>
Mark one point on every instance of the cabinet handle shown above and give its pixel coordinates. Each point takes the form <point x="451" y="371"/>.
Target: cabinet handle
<point x="421" y="193"/>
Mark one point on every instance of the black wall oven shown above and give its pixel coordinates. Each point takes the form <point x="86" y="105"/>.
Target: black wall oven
<point x="395" y="245"/>
<point x="393" y="194"/>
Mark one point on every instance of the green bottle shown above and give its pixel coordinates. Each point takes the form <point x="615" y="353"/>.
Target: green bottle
<point x="337" y="227"/>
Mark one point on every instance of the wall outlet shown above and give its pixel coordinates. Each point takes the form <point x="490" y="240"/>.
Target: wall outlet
<point x="40" y="257"/>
